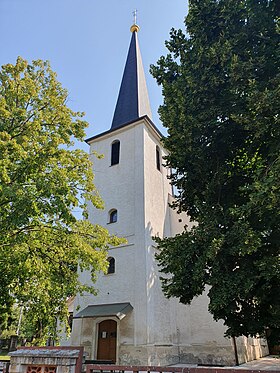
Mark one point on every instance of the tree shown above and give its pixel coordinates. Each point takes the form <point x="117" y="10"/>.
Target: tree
<point x="42" y="180"/>
<point x="221" y="107"/>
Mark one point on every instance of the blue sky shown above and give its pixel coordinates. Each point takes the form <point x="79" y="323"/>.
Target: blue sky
<point x="86" y="42"/>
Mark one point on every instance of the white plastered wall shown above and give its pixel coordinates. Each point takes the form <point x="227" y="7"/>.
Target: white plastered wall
<point x="177" y="324"/>
<point x="121" y="188"/>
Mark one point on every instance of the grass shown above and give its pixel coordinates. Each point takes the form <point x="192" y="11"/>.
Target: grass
<point x="4" y="356"/>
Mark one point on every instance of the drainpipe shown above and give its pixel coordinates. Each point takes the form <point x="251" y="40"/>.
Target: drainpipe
<point x="178" y="342"/>
<point x="235" y="351"/>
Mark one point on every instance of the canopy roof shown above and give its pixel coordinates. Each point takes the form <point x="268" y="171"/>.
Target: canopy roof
<point x="115" y="309"/>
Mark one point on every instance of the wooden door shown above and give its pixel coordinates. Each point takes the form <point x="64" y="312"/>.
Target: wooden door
<point x="107" y="340"/>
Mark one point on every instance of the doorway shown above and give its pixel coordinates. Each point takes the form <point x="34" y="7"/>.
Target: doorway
<point x="107" y="340"/>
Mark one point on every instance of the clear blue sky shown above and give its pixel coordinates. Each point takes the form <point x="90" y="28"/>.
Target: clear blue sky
<point x="86" y="42"/>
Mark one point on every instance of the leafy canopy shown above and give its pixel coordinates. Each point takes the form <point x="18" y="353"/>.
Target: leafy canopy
<point x="42" y="179"/>
<point x="220" y="84"/>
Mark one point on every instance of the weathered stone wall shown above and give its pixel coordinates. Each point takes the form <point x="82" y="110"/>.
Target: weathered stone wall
<point x="251" y="349"/>
<point x="170" y="355"/>
<point x="204" y="354"/>
<point x="189" y="369"/>
<point x="46" y="360"/>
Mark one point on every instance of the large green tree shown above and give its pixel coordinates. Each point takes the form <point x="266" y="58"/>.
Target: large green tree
<point x="221" y="93"/>
<point x="42" y="179"/>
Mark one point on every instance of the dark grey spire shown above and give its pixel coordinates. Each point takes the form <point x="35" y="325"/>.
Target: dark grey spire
<point x="133" y="101"/>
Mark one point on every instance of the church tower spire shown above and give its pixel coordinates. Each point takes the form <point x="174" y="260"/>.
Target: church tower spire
<point x="133" y="100"/>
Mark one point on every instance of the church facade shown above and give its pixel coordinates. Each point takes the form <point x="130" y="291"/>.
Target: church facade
<point x="130" y="322"/>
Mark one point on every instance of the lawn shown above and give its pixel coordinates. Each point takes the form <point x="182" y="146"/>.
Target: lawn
<point x="4" y="356"/>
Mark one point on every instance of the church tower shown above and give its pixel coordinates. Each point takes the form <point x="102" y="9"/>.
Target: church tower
<point x="130" y="322"/>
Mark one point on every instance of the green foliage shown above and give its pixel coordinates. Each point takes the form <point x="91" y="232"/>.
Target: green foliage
<point x="221" y="107"/>
<point x="41" y="181"/>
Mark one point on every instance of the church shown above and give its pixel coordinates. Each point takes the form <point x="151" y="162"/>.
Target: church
<point x="129" y="321"/>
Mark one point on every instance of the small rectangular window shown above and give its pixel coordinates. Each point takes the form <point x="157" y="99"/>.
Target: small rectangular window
<point x="115" y="153"/>
<point x="158" y="162"/>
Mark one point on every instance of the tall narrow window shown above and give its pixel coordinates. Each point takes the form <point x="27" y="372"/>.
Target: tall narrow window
<point x="70" y="320"/>
<point x="113" y="216"/>
<point x="158" y="158"/>
<point x="111" y="267"/>
<point x="115" y="152"/>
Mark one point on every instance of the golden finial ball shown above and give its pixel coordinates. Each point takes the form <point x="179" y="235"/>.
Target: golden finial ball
<point x="135" y="28"/>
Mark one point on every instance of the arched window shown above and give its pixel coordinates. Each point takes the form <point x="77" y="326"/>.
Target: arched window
<point x="113" y="216"/>
<point x="115" y="152"/>
<point x="158" y="158"/>
<point x="111" y="267"/>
